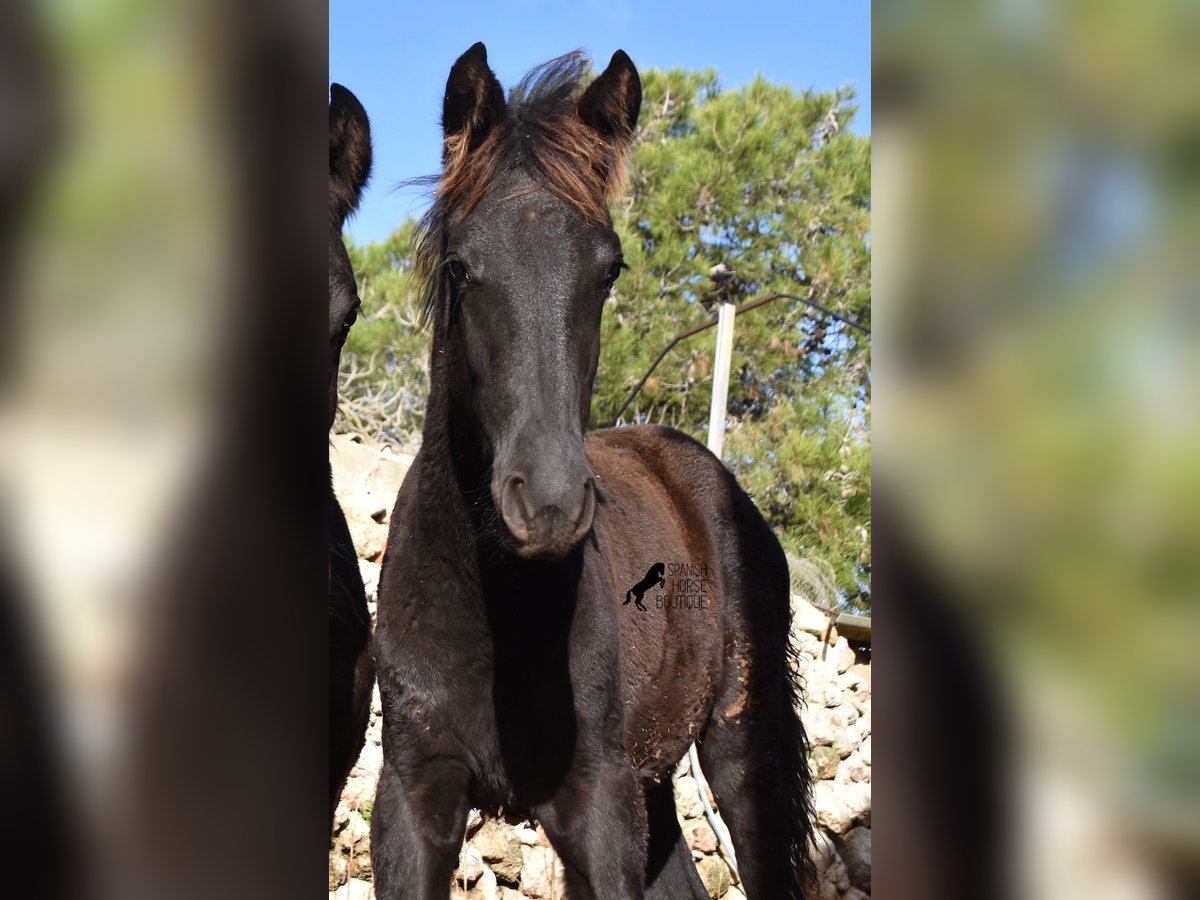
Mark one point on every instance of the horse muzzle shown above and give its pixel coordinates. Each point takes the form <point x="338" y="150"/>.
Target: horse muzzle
<point x="546" y="517"/>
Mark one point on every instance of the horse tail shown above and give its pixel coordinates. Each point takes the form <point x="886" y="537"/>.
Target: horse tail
<point x="794" y="779"/>
<point x="797" y="778"/>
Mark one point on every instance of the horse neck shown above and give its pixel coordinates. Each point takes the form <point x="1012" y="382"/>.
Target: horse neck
<point x="457" y="457"/>
<point x="456" y="478"/>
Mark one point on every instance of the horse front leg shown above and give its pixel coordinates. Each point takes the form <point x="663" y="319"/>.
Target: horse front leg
<point x="417" y="827"/>
<point x="597" y="824"/>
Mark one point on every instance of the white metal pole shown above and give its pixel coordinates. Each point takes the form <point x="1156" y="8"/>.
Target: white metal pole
<point x="716" y="442"/>
<point x="720" y="391"/>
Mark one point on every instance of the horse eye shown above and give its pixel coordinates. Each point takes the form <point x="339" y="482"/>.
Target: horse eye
<point x="457" y="270"/>
<point x="351" y="318"/>
<point x="615" y="272"/>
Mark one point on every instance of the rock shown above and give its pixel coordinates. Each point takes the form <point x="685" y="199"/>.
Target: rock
<point x="814" y="692"/>
<point x="843" y="717"/>
<point x="370" y="761"/>
<point x="807" y="619"/>
<point x="850" y="680"/>
<point x="864" y="750"/>
<point x="821" y="671"/>
<point x="816" y="726"/>
<point x="830" y="806"/>
<point x="841" y="654"/>
<point x="359" y="791"/>
<point x="358" y="865"/>
<point x="354" y="889"/>
<point x="857" y="690"/>
<point x="484" y="889"/>
<point x="529" y="835"/>
<point x="735" y="893"/>
<point x="369" y="537"/>
<point x="375" y="735"/>
<point x="470" y="866"/>
<point x="820" y="685"/>
<point x="857" y="798"/>
<point x="337" y="870"/>
<point x="376" y="701"/>
<point x="500" y="847"/>
<point x="862" y="670"/>
<point x="852" y="768"/>
<point x="356" y="831"/>
<point x="824" y="762"/>
<point x="541" y="875"/>
<point x="715" y="875"/>
<point x="366" y="479"/>
<point x="832" y="877"/>
<point x="856" y="851"/>
<point x="340" y="816"/>
<point x="847" y="740"/>
<point x="853" y="893"/>
<point x="474" y="822"/>
<point x="487" y="888"/>
<point x="822" y="849"/>
<point x="687" y="800"/>
<point x="370" y="576"/>
<point x="806" y="642"/>
<point x="699" y="836"/>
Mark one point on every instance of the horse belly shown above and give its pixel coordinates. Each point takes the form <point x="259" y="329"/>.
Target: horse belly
<point x="669" y="673"/>
<point x="671" y="651"/>
<point x="662" y="505"/>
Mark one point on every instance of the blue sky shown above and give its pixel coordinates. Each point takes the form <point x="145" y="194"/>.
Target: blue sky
<point x="395" y="57"/>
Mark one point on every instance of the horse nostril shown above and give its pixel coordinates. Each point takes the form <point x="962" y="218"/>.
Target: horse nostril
<point x="522" y="492"/>
<point x="587" y="508"/>
<point x="514" y="507"/>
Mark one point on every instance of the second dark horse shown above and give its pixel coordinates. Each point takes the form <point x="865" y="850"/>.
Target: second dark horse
<point x="351" y="672"/>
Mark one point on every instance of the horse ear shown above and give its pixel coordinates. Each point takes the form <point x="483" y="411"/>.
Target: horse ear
<point x="612" y="102"/>
<point x="474" y="102"/>
<point x="349" y="148"/>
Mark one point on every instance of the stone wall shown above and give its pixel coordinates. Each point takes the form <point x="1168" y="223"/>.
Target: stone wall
<point x="511" y="860"/>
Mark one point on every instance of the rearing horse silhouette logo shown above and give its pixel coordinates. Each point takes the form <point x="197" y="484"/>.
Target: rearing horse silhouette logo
<point x="656" y="575"/>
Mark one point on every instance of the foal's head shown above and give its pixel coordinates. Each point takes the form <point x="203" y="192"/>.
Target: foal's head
<point x="349" y="166"/>
<point x="522" y="254"/>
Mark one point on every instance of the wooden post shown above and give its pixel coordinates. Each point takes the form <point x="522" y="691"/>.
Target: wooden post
<point x="720" y="390"/>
